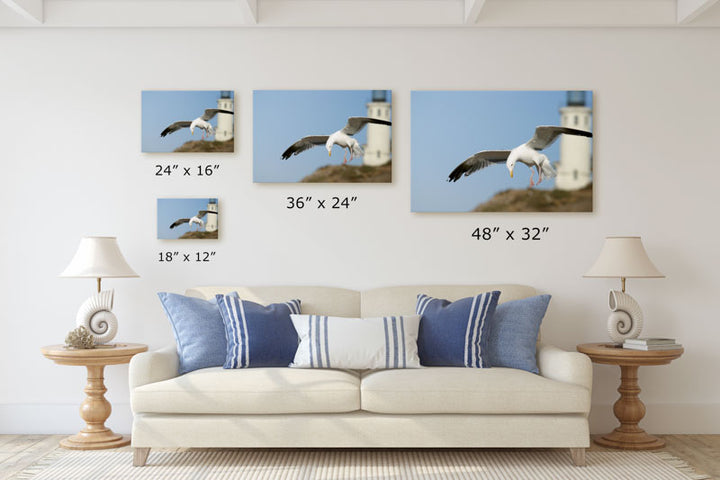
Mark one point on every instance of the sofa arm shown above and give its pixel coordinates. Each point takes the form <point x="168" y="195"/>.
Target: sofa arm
<point x="569" y="367"/>
<point x="151" y="367"/>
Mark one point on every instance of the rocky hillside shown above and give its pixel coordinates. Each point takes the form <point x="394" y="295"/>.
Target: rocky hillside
<point x="200" y="235"/>
<point x="351" y="174"/>
<point x="206" y="146"/>
<point x="533" y="200"/>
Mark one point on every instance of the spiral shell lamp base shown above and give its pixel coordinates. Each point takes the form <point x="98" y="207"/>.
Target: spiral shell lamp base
<point x="626" y="319"/>
<point x="96" y="315"/>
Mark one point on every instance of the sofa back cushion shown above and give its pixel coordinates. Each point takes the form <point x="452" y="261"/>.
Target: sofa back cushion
<point x="339" y="302"/>
<point x="377" y="302"/>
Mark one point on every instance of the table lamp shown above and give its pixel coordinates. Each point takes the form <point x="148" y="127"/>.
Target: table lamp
<point x="98" y="257"/>
<point x="623" y="257"/>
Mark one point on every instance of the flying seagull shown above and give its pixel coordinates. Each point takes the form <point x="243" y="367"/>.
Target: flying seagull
<point x="202" y="122"/>
<point x="197" y="220"/>
<point x="342" y="138"/>
<point x="527" y="153"/>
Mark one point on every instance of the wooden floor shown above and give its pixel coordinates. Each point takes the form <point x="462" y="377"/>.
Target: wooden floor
<point x="20" y="451"/>
<point x="702" y="452"/>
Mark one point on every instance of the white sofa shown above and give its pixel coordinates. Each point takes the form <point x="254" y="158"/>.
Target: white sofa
<point x="434" y="407"/>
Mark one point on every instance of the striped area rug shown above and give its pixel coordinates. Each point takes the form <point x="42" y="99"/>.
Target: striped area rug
<point x="356" y="464"/>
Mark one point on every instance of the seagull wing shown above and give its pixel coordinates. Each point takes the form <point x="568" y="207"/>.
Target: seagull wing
<point x="175" y="126"/>
<point x="202" y="213"/>
<point x="355" y="124"/>
<point x="211" y="112"/>
<point x="546" y="135"/>
<point x="478" y="161"/>
<point x="303" y="144"/>
<point x="179" y="221"/>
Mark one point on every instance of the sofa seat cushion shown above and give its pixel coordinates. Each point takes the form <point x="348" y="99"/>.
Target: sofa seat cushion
<point x="469" y="390"/>
<point x="252" y="391"/>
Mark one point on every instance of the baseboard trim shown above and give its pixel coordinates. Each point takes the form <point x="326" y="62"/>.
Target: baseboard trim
<point x="664" y="418"/>
<point x="52" y="418"/>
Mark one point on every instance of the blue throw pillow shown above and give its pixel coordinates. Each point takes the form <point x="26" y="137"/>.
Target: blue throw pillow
<point x="455" y="334"/>
<point x="257" y="335"/>
<point x="513" y="333"/>
<point x="199" y="331"/>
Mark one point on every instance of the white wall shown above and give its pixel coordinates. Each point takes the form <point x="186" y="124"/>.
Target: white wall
<point x="71" y="165"/>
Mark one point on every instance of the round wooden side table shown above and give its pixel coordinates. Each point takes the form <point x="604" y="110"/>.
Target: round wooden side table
<point x="629" y="410"/>
<point x="95" y="409"/>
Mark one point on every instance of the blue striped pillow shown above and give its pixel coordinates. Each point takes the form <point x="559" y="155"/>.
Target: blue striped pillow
<point x="257" y="335"/>
<point x="454" y="334"/>
<point x="356" y="343"/>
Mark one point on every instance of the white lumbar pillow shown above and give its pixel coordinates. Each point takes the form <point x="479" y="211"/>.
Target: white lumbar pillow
<point x="357" y="343"/>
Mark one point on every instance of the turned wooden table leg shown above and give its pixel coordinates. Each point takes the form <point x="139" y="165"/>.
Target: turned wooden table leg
<point x="629" y="410"/>
<point x="95" y="409"/>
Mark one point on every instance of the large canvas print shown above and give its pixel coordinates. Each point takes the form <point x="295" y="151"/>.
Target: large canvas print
<point x="340" y="136"/>
<point x="502" y="151"/>
<point x="187" y="218"/>
<point x="188" y="121"/>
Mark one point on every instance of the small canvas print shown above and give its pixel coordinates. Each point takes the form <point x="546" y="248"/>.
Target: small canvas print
<point x="322" y="136"/>
<point x="187" y="218"/>
<point x="502" y="151"/>
<point x="188" y="121"/>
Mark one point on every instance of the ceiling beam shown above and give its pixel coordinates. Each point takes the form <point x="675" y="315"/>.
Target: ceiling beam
<point x="472" y="10"/>
<point x="689" y="10"/>
<point x="249" y="7"/>
<point x="359" y="13"/>
<point x="578" y="13"/>
<point x="29" y="9"/>
<point x="147" y="13"/>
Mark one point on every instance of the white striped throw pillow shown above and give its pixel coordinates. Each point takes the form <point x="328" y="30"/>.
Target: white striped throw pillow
<point x="356" y="343"/>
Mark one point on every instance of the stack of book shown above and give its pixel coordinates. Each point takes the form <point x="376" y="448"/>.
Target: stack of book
<point x="651" y="344"/>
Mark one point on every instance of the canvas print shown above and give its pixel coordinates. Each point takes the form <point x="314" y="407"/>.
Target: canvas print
<point x="341" y="136"/>
<point x="187" y="218"/>
<point x="188" y="121"/>
<point x="502" y="151"/>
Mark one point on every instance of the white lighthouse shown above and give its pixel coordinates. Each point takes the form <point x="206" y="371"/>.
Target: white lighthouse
<point x="211" y="223"/>
<point x="224" y="130"/>
<point x="575" y="166"/>
<point x="378" y="150"/>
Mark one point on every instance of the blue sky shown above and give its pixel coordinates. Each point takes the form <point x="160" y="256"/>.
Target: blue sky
<point x="282" y="117"/>
<point x="450" y="126"/>
<point x="171" y="209"/>
<point x="160" y="108"/>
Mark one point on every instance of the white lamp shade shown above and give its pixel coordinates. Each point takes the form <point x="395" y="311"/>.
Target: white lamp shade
<point x="623" y="257"/>
<point x="98" y="257"/>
